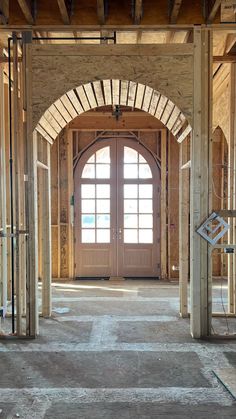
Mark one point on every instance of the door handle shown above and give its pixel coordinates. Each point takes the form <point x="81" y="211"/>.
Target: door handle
<point x="120" y="233"/>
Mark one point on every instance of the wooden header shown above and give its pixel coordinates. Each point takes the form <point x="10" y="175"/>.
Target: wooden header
<point x="114" y="50"/>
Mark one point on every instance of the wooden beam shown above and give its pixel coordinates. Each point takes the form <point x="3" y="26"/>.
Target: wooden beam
<point x="163" y="204"/>
<point x="26" y="9"/>
<point x="174" y="13"/>
<point x="4" y="12"/>
<point x="138" y="11"/>
<point x="224" y="59"/>
<point x="101" y="11"/>
<point x="65" y="13"/>
<point x="213" y="11"/>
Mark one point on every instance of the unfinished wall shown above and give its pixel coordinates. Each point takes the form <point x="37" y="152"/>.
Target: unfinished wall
<point x="57" y="69"/>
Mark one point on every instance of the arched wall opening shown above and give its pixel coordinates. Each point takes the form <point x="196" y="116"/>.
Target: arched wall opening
<point x="131" y="96"/>
<point x="117" y="93"/>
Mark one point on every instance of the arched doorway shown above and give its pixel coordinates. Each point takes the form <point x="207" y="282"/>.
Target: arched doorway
<point x="117" y="214"/>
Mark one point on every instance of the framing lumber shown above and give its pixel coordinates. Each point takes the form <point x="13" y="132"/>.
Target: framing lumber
<point x="163" y="204"/>
<point x="174" y="13"/>
<point x="17" y="187"/>
<point x="30" y="140"/>
<point x="3" y="212"/>
<point x="183" y="230"/>
<point x="199" y="260"/>
<point x="64" y="11"/>
<point x="138" y="11"/>
<point x="46" y="240"/>
<point x="26" y="9"/>
<point x="224" y="59"/>
<point x="232" y="192"/>
<point x="214" y="9"/>
<point x="101" y="11"/>
<point x="4" y="11"/>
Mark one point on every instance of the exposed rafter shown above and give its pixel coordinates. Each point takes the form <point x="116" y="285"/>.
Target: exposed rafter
<point x="26" y="7"/>
<point x="175" y="8"/>
<point x="138" y="11"/>
<point x="64" y="10"/>
<point x="101" y="11"/>
<point x="213" y="11"/>
<point x="4" y="12"/>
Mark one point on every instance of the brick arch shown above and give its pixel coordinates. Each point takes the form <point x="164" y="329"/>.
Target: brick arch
<point x="112" y="92"/>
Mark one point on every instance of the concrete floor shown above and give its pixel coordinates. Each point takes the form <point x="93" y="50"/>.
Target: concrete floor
<point x="117" y="350"/>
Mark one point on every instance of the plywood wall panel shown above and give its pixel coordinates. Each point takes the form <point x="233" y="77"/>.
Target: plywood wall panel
<point x="53" y="75"/>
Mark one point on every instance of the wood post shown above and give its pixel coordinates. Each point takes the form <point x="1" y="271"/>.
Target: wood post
<point x="232" y="192"/>
<point x="17" y="186"/>
<point x="46" y="240"/>
<point x="163" y="204"/>
<point x="183" y="229"/>
<point x="3" y="212"/>
<point x="30" y="140"/>
<point x="199" y="210"/>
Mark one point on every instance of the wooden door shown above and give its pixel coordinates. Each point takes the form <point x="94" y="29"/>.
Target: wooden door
<point x="117" y="211"/>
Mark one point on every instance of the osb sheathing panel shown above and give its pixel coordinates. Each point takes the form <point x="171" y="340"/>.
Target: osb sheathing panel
<point x="221" y="107"/>
<point x="53" y="75"/>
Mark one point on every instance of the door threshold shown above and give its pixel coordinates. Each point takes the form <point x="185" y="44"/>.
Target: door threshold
<point x="116" y="278"/>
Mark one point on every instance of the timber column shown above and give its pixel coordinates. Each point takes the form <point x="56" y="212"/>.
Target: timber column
<point x="200" y="183"/>
<point x="30" y="141"/>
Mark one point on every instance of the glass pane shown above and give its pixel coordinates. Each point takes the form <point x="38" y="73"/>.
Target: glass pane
<point x="91" y="159"/>
<point x="130" y="155"/>
<point x="103" y="155"/>
<point x="88" y="236"/>
<point x="88" y="205"/>
<point x="130" y="236"/>
<point x="88" y="191"/>
<point x="142" y="159"/>
<point x="103" y="236"/>
<point x="88" y="221"/>
<point x="144" y="171"/>
<point x="103" y="205"/>
<point x="103" y="221"/>
<point x="145" y="221"/>
<point x="102" y="171"/>
<point x="131" y="206"/>
<point x="145" y="236"/>
<point x="145" y="191"/>
<point x="130" y="191"/>
<point x="103" y="191"/>
<point x="131" y="221"/>
<point x="130" y="171"/>
<point x="89" y="171"/>
<point x="145" y="205"/>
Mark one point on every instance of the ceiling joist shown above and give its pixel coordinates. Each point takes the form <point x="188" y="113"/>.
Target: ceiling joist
<point x="101" y="11"/>
<point x="4" y="12"/>
<point x="138" y="11"/>
<point x="213" y="11"/>
<point x="175" y="8"/>
<point x="65" y="10"/>
<point x="26" y="7"/>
